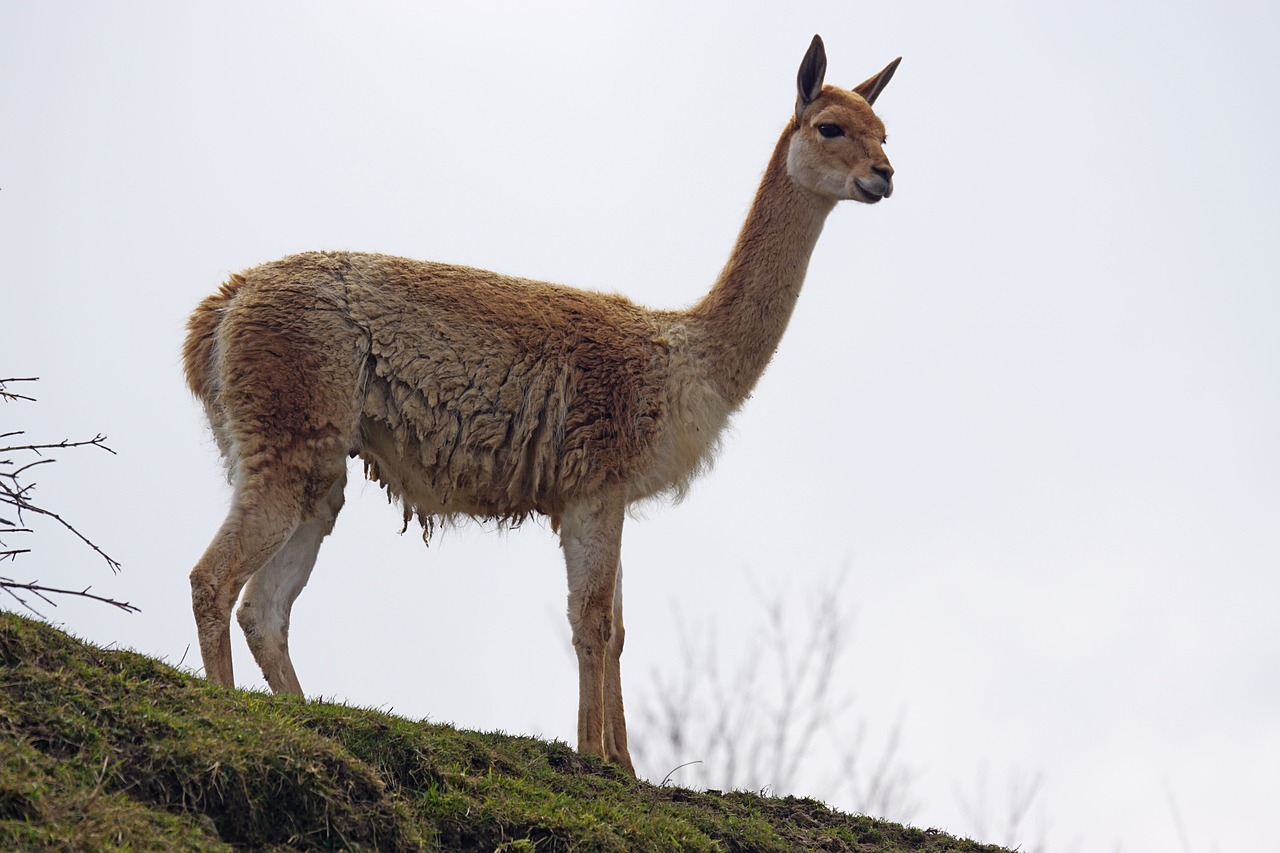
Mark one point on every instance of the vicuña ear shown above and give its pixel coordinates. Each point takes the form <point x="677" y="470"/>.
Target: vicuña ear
<point x="809" y="81"/>
<point x="872" y="88"/>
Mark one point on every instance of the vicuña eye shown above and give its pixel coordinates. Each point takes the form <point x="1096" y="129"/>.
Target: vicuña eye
<point x="831" y="131"/>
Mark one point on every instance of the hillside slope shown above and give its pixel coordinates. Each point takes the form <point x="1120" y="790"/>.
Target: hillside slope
<point x="111" y="749"/>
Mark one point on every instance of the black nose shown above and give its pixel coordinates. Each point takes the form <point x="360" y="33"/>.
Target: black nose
<point x="886" y="173"/>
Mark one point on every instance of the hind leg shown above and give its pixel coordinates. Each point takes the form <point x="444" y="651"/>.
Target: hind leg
<point x="255" y="529"/>
<point x="269" y="595"/>
<point x="285" y="377"/>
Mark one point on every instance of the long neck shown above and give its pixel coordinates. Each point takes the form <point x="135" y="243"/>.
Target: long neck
<point x="740" y="322"/>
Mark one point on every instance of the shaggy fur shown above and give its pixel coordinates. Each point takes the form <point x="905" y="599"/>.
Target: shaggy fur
<point x="464" y="391"/>
<point x="473" y="394"/>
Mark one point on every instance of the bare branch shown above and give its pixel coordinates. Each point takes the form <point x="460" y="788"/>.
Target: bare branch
<point x="760" y="726"/>
<point x="26" y="506"/>
<point x="16" y="493"/>
<point x="9" y="585"/>
<point x="6" y="394"/>
<point x="97" y="441"/>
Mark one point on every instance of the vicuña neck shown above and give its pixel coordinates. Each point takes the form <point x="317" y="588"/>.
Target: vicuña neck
<point x="740" y="322"/>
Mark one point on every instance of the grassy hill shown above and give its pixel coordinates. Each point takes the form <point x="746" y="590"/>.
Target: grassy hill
<point x="115" y="750"/>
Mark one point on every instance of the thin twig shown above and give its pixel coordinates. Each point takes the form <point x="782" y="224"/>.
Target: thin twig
<point x="96" y="441"/>
<point x="6" y="394"/>
<point x="114" y="564"/>
<point x="9" y="585"/>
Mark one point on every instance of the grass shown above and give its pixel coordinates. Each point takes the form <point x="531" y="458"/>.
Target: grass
<point x="109" y="750"/>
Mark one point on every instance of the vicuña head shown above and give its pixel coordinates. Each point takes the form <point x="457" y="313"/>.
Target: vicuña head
<point x="469" y="393"/>
<point x="837" y="150"/>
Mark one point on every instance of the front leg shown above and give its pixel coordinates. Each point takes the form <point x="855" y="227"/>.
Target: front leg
<point x="591" y="535"/>
<point x="615" y="723"/>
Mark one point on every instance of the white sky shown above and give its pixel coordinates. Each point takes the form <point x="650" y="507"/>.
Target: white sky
<point x="1031" y="401"/>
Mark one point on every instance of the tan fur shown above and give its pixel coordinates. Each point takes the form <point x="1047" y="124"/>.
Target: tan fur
<point x="473" y="394"/>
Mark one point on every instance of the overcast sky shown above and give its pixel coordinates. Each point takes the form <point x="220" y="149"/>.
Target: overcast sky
<point x="1030" y="403"/>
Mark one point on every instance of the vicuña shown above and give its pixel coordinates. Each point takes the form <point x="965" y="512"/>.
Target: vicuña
<point x="469" y="393"/>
